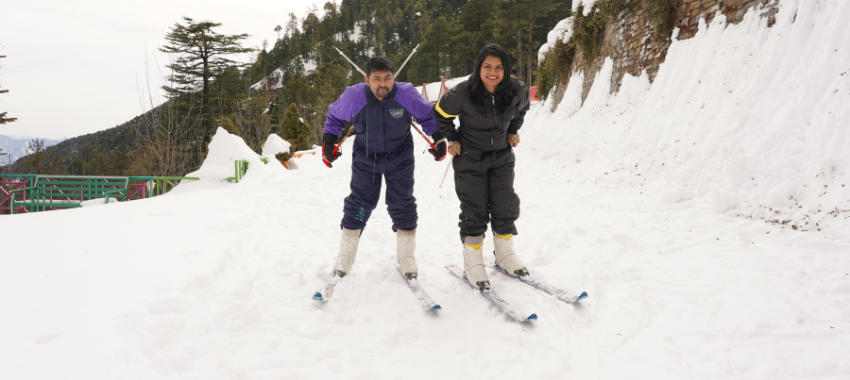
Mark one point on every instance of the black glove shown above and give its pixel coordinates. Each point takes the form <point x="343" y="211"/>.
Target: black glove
<point x="329" y="151"/>
<point x="440" y="145"/>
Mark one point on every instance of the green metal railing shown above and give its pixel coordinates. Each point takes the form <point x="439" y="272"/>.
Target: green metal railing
<point x="241" y="167"/>
<point x="47" y="192"/>
<point x="159" y="185"/>
<point x="139" y="187"/>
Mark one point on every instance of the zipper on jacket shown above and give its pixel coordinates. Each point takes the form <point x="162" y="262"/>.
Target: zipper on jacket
<point x="495" y="121"/>
<point x="381" y="127"/>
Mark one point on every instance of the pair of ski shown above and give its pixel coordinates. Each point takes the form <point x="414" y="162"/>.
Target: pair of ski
<point x="326" y="292"/>
<point x="428" y="303"/>
<point x="509" y="309"/>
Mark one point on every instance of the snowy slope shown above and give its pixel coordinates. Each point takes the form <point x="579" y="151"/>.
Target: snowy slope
<point x="213" y="280"/>
<point x="752" y="121"/>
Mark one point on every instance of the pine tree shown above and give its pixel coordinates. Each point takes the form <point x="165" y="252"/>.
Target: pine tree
<point x="295" y="130"/>
<point x="431" y="63"/>
<point x="475" y="21"/>
<point x="3" y="118"/>
<point x="200" y="55"/>
<point x="537" y="10"/>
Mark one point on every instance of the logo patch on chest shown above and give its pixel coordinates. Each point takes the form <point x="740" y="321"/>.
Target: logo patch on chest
<point x="397" y="113"/>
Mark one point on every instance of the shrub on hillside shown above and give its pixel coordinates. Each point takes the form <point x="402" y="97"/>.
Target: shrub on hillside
<point x="295" y="130"/>
<point x="660" y="14"/>
<point x="228" y="126"/>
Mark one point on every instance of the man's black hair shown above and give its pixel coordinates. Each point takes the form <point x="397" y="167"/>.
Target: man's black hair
<point x="378" y="64"/>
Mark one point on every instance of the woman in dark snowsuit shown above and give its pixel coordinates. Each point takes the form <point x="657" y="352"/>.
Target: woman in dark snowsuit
<point x="491" y="106"/>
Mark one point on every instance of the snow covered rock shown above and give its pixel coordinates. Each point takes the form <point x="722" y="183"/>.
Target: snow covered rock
<point x="563" y="31"/>
<point x="275" y="144"/>
<point x="273" y="81"/>
<point x="224" y="149"/>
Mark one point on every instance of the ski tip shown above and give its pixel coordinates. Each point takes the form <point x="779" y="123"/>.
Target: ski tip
<point x="318" y="297"/>
<point x="435" y="308"/>
<point x="582" y="296"/>
<point x="532" y="317"/>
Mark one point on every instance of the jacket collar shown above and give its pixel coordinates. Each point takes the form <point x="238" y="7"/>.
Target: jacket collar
<point x="371" y="99"/>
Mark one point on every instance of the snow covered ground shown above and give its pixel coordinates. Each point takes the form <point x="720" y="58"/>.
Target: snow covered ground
<point x="213" y="280"/>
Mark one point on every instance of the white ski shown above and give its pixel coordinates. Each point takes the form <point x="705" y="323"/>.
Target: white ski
<point x="424" y="299"/>
<point x="493" y="297"/>
<point x="326" y="292"/>
<point x="540" y="284"/>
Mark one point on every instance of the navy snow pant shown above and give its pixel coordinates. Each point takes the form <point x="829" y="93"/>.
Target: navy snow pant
<point x="367" y="168"/>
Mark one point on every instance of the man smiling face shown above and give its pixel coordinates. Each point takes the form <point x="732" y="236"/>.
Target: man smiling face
<point x="381" y="83"/>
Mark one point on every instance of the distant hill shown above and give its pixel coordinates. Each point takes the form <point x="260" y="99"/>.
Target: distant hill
<point x="16" y="146"/>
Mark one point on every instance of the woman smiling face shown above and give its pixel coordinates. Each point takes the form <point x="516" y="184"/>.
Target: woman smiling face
<point x="492" y="72"/>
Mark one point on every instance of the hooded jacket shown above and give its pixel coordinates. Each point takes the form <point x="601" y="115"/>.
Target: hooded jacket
<point x="382" y="126"/>
<point x="483" y="132"/>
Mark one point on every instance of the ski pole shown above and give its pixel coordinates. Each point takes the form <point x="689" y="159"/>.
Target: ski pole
<point x="405" y="61"/>
<point x="424" y="137"/>
<point x="349" y="61"/>
<point x="444" y="174"/>
<point x="337" y="146"/>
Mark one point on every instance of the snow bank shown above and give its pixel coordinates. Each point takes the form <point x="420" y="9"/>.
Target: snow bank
<point x="224" y="149"/>
<point x="748" y="119"/>
<point x="275" y="144"/>
<point x="563" y="31"/>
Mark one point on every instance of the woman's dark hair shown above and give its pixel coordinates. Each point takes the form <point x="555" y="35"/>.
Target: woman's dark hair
<point x="378" y="64"/>
<point x="505" y="91"/>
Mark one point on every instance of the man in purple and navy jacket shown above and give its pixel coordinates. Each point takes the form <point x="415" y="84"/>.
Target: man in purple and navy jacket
<point x="381" y="111"/>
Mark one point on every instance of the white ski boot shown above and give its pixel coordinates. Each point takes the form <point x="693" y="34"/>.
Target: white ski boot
<point x="405" y="245"/>
<point x="473" y="262"/>
<point x="505" y="256"/>
<point x="347" y="251"/>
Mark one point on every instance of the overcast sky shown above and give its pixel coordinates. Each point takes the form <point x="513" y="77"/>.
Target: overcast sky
<point x="76" y="66"/>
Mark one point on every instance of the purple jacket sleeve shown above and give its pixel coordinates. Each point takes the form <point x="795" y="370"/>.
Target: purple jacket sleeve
<point x="352" y="100"/>
<point x="421" y="109"/>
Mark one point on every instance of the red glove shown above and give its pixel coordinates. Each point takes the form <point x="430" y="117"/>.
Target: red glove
<point x="440" y="145"/>
<point x="329" y="153"/>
